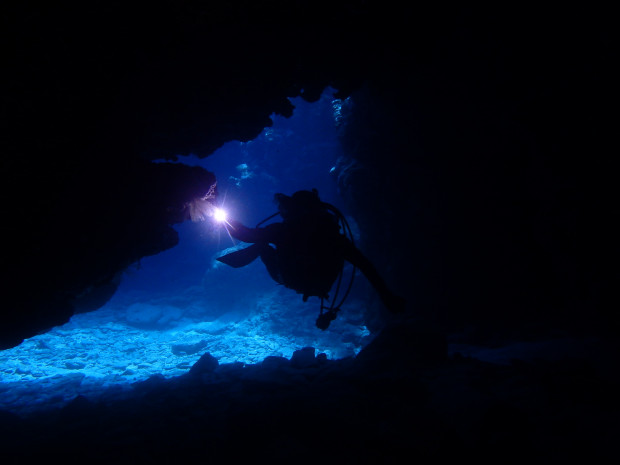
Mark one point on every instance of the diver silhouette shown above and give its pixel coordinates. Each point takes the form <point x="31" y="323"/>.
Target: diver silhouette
<point x="310" y="252"/>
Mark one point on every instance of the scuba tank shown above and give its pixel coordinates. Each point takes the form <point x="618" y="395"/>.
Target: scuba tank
<point x="304" y="205"/>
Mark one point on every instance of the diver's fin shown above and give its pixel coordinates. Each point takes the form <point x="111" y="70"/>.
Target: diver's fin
<point x="243" y="257"/>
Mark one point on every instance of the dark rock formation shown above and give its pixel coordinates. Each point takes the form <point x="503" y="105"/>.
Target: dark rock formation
<point x="207" y="363"/>
<point x="100" y="221"/>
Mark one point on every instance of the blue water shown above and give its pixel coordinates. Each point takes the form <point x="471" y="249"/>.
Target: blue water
<point x="173" y="307"/>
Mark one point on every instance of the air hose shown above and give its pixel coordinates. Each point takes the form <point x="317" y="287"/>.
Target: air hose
<point x="331" y="311"/>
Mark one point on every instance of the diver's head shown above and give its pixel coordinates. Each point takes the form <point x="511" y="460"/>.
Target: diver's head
<point x="300" y="203"/>
<point x="309" y="199"/>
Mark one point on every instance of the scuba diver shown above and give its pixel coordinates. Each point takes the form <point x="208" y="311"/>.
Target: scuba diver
<point x="308" y="252"/>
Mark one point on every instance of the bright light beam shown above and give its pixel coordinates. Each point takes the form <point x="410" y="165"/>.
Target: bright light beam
<point x="220" y="215"/>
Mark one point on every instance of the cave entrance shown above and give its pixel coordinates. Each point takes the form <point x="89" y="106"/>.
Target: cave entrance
<point x="175" y="306"/>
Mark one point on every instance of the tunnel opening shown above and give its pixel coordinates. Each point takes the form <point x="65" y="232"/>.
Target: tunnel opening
<point x="173" y="307"/>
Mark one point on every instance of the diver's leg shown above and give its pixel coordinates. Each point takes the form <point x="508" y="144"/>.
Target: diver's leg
<point x="353" y="255"/>
<point x="269" y="256"/>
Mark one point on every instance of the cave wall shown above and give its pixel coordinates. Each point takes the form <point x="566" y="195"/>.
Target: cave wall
<point x="482" y="176"/>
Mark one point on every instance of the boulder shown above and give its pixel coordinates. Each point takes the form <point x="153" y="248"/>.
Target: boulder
<point x="304" y="358"/>
<point x="207" y="363"/>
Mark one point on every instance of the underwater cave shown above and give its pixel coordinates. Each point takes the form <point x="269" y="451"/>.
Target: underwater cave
<point x="470" y="151"/>
<point x="172" y="307"/>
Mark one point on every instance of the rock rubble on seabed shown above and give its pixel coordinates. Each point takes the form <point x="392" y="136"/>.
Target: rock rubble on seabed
<point x="99" y="354"/>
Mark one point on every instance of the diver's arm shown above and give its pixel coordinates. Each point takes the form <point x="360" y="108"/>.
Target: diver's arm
<point x="354" y="256"/>
<point x="253" y="235"/>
